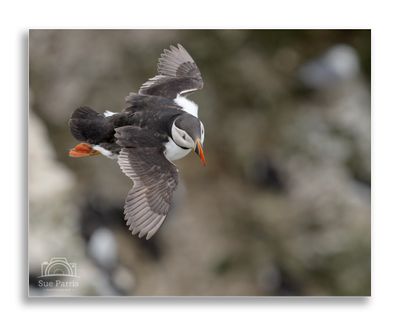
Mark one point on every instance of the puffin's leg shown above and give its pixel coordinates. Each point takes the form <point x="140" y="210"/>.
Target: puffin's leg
<point x="83" y="150"/>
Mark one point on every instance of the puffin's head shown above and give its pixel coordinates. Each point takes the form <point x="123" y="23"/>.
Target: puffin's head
<point x="188" y="132"/>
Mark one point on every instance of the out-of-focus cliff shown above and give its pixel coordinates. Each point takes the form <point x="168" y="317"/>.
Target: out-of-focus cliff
<point x="283" y="206"/>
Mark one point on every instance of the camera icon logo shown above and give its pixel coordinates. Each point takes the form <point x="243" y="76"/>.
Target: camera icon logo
<point x="58" y="266"/>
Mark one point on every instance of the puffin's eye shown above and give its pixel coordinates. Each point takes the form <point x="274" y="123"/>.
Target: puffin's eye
<point x="184" y="136"/>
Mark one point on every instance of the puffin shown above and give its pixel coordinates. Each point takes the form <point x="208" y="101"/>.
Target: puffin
<point x="158" y="126"/>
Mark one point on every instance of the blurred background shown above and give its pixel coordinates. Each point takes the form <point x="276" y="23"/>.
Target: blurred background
<point x="283" y="206"/>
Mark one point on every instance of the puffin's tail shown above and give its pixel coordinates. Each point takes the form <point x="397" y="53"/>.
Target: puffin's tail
<point x="90" y="127"/>
<point x="82" y="123"/>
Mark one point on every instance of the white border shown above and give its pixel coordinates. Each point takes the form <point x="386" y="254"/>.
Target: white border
<point x="17" y="17"/>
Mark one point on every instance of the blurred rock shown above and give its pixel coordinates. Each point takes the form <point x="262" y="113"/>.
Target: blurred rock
<point x="50" y="194"/>
<point x="283" y="207"/>
<point x="53" y="216"/>
<point x="340" y="63"/>
<point x="263" y="172"/>
<point x="102" y="247"/>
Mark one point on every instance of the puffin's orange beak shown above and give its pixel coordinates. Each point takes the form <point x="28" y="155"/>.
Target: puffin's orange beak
<point x="199" y="151"/>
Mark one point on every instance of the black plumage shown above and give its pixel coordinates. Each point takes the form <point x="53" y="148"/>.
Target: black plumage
<point x="145" y="112"/>
<point x="139" y="134"/>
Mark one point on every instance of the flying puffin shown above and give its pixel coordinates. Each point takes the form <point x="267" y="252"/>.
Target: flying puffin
<point x="159" y="125"/>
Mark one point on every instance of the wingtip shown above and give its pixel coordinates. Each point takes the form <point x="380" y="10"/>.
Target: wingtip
<point x="173" y="47"/>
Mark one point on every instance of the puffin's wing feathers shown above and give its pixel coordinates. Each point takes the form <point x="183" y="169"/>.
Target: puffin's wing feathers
<point x="154" y="177"/>
<point x="142" y="102"/>
<point x="177" y="62"/>
<point x="178" y="74"/>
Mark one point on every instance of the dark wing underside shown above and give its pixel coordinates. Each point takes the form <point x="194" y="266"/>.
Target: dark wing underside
<point x="154" y="177"/>
<point x="178" y="74"/>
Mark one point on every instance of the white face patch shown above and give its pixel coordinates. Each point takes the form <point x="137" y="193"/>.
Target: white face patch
<point x="187" y="105"/>
<point x="181" y="138"/>
<point x="202" y="132"/>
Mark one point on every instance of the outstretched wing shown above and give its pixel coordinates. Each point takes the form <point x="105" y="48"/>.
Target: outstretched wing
<point x="178" y="74"/>
<point x="155" y="179"/>
<point x="142" y="102"/>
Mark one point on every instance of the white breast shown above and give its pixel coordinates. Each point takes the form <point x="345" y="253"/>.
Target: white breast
<point x="173" y="152"/>
<point x="187" y="105"/>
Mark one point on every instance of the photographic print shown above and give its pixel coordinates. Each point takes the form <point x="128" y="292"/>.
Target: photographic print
<point x="199" y="163"/>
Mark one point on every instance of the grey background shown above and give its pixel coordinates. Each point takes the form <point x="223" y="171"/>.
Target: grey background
<point x="283" y="206"/>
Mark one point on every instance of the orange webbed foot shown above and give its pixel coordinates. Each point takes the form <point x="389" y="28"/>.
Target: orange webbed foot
<point x="83" y="150"/>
